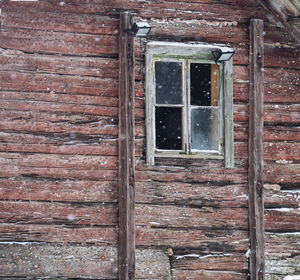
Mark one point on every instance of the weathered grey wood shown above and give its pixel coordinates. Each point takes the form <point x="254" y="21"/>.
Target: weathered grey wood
<point x="149" y="113"/>
<point x="256" y="151"/>
<point x="40" y="260"/>
<point x="289" y="25"/>
<point x="175" y="51"/>
<point x="126" y="151"/>
<point x="228" y="115"/>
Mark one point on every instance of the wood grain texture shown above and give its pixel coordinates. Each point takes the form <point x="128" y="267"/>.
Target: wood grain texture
<point x="256" y="151"/>
<point x="45" y="189"/>
<point x="58" y="234"/>
<point x="190" y="217"/>
<point x="222" y="261"/>
<point x="126" y="176"/>
<point x="197" y="194"/>
<point x="30" y="212"/>
<point x="208" y="275"/>
<point x="59" y="70"/>
<point x="209" y="240"/>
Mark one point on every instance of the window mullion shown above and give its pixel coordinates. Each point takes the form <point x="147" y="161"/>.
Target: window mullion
<point x="188" y="107"/>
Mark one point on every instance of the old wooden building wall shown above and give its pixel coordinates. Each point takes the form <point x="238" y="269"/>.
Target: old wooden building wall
<point x="59" y="80"/>
<point x="282" y="155"/>
<point x="58" y="147"/>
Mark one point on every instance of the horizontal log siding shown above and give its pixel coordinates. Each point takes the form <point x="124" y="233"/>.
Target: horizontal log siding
<point x="196" y="210"/>
<point x="58" y="146"/>
<point x="282" y="168"/>
<point x="182" y="205"/>
<point x="58" y="143"/>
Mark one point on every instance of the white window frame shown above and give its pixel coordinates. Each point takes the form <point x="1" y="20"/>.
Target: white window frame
<point x="190" y="53"/>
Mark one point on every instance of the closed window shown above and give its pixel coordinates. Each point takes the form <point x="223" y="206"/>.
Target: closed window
<point x="187" y="96"/>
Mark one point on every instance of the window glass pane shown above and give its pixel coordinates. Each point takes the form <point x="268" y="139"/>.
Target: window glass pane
<point x="168" y="128"/>
<point x="204" y="129"/>
<point x="200" y="84"/>
<point x="168" y="82"/>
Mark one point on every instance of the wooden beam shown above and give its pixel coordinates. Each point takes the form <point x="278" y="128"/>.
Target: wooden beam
<point x="256" y="151"/>
<point x="126" y="151"/>
<point x="293" y="30"/>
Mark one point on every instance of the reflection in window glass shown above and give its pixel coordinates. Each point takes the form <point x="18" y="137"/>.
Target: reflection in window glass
<point x="168" y="128"/>
<point x="204" y="129"/>
<point x="200" y="84"/>
<point x="168" y="86"/>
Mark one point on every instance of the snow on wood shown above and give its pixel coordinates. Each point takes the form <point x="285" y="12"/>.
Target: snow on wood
<point x="58" y="146"/>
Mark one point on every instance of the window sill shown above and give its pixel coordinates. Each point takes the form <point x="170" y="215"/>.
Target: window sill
<point x="211" y="155"/>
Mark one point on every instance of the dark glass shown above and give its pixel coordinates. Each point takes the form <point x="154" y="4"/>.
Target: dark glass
<point x="200" y="84"/>
<point x="168" y="128"/>
<point x="204" y="129"/>
<point x="168" y="82"/>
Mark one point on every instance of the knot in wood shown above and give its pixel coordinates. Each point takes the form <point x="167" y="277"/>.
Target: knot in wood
<point x="259" y="59"/>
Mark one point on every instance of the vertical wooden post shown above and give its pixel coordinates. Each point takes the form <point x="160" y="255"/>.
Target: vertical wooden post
<point x="256" y="151"/>
<point x="126" y="151"/>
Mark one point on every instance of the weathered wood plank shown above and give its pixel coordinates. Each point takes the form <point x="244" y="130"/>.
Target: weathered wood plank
<point x="282" y="57"/>
<point x="278" y="219"/>
<point x="44" y="127"/>
<point x="202" y="171"/>
<point x="282" y="255"/>
<point x="281" y="133"/>
<point x="275" y="173"/>
<point x="280" y="90"/>
<point x="202" y="9"/>
<point x="205" y="240"/>
<point x="208" y="275"/>
<point x="274" y="56"/>
<point x="274" y="198"/>
<point x="228" y="115"/>
<point x="7" y="171"/>
<point x="31" y="40"/>
<point x="201" y="30"/>
<point x="282" y="113"/>
<point x="273" y="113"/>
<point x="278" y="266"/>
<point x="58" y="234"/>
<point x="238" y="176"/>
<point x="58" y="213"/>
<point x="59" y="99"/>
<point x="273" y="10"/>
<point x="33" y="18"/>
<point x="105" y="147"/>
<point x="289" y="77"/>
<point x="226" y="261"/>
<point x="186" y="217"/>
<point x="52" y="83"/>
<point x="274" y="133"/>
<point x="285" y="243"/>
<point x="192" y="194"/>
<point x="31" y="105"/>
<point x="31" y="188"/>
<point x="12" y="60"/>
<point x="75" y="162"/>
<point x="282" y="151"/>
<point x="126" y="176"/>
<point x="256" y="150"/>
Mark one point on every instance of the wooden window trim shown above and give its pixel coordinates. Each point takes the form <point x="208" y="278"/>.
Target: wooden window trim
<point x="202" y="54"/>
